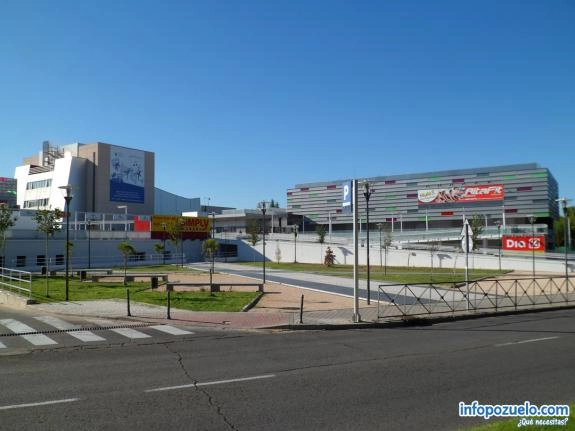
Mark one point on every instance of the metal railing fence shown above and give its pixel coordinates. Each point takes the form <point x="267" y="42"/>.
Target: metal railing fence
<point x="489" y="294"/>
<point x="16" y="281"/>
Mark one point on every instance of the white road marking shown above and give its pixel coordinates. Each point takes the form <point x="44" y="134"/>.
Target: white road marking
<point x="62" y="325"/>
<point x="130" y="333"/>
<point x="19" y="327"/>
<point x="216" y="382"/>
<point x="57" y="323"/>
<point x="2" y="345"/>
<point x="170" y="330"/>
<point x="526" y="341"/>
<point x="41" y="403"/>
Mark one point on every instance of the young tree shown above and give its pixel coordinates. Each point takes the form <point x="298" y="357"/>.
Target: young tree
<point x="329" y="258"/>
<point x="127" y="250"/>
<point x="176" y="236"/>
<point x="6" y="222"/>
<point x="321" y="232"/>
<point x="48" y="222"/>
<point x="210" y="247"/>
<point x="252" y="229"/>
<point x="160" y="249"/>
<point x="476" y="225"/>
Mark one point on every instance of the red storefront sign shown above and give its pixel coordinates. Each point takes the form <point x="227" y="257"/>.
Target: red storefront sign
<point x="478" y="193"/>
<point x="524" y="243"/>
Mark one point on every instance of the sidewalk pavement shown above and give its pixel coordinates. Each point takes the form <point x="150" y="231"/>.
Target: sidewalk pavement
<point x="144" y="313"/>
<point x="278" y="308"/>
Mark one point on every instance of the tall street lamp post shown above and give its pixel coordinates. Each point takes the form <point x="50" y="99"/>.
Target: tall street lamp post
<point x="380" y="227"/>
<point x="367" y="195"/>
<point x="164" y="243"/>
<point x="296" y="227"/>
<point x="498" y="223"/>
<point x="213" y="237"/>
<point x="262" y="206"/>
<point x="89" y="225"/>
<point x="566" y="234"/>
<point x="67" y="197"/>
<point x="532" y="221"/>
<point x="182" y="225"/>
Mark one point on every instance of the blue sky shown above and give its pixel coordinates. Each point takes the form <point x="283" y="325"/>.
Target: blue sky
<point x="241" y="100"/>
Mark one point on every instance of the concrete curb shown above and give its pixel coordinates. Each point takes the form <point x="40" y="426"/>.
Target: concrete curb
<point x="414" y="320"/>
<point x="253" y="302"/>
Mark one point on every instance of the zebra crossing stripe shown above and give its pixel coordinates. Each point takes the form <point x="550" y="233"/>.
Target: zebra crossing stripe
<point x="130" y="333"/>
<point x="85" y="336"/>
<point x="19" y="327"/>
<point x="170" y="330"/>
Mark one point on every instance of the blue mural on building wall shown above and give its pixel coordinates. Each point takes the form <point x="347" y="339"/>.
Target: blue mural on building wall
<point x="127" y="175"/>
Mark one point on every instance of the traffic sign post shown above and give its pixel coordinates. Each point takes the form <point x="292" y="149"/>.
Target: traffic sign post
<point x="466" y="244"/>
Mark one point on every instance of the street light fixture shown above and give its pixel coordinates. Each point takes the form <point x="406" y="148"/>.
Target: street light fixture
<point x="67" y="197"/>
<point x="214" y="238"/>
<point x="566" y="235"/>
<point x="262" y="206"/>
<point x="89" y="226"/>
<point x="295" y="229"/>
<point x="367" y="194"/>
<point x="498" y="224"/>
<point x="125" y="207"/>
<point x="380" y="227"/>
<point x="532" y="221"/>
<point x="182" y="225"/>
<point x="164" y="243"/>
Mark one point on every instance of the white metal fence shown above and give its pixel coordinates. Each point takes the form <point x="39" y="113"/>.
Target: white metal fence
<point x="18" y="282"/>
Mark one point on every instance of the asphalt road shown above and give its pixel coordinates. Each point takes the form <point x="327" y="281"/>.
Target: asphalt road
<point x="409" y="378"/>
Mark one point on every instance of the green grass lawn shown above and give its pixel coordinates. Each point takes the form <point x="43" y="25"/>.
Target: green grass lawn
<point x="388" y="274"/>
<point x="139" y="292"/>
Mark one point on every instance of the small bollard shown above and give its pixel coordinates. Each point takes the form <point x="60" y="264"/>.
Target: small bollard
<point x="301" y="311"/>
<point x="128" y="301"/>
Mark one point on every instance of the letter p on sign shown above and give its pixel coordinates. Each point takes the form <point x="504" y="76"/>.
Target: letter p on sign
<point x="346" y="197"/>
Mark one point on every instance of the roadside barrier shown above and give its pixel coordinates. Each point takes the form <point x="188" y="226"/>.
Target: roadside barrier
<point x="490" y="294"/>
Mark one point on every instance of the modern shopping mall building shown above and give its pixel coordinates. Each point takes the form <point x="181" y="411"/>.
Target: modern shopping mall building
<point x="501" y="195"/>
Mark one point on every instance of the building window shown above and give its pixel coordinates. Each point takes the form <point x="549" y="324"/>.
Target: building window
<point x="59" y="259"/>
<point x="40" y="260"/>
<point x="37" y="203"/>
<point x="39" y="184"/>
<point x="20" y="261"/>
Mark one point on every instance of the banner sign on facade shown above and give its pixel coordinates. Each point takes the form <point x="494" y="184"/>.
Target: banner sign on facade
<point x="524" y="243"/>
<point x="127" y="175"/>
<point x="477" y="193"/>
<point x="163" y="226"/>
<point x="346" y="206"/>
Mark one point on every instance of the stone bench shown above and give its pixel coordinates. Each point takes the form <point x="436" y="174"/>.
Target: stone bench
<point x="132" y="277"/>
<point x="214" y="287"/>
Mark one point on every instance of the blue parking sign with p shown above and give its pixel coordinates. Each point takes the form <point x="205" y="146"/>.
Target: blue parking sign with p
<point x="346" y="198"/>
